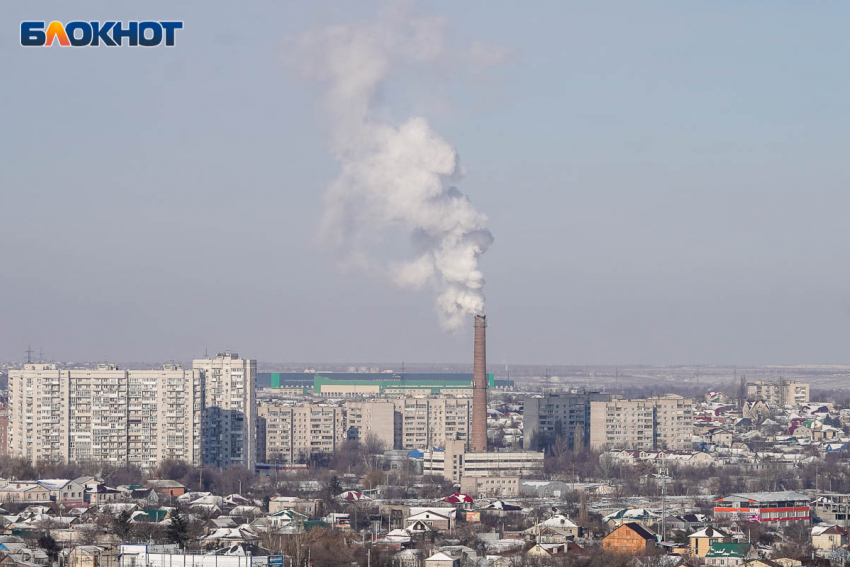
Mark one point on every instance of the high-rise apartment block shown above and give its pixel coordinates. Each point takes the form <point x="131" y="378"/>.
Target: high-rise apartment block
<point x="294" y="434"/>
<point x="135" y="417"/>
<point x="374" y="418"/>
<point x="779" y="393"/>
<point x="289" y="433"/>
<point x="108" y="415"/>
<point x="431" y="422"/>
<point x="230" y="409"/>
<point x="562" y="415"/>
<point x="664" y="422"/>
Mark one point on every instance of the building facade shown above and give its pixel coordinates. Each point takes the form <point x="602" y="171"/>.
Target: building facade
<point x="428" y="422"/>
<point x="295" y="434"/>
<point x="377" y="418"/>
<point x="455" y="463"/>
<point x="108" y="415"/>
<point x="664" y="422"/>
<point x="780" y="508"/>
<point x="779" y="393"/>
<point x="230" y="409"/>
<point x="567" y="415"/>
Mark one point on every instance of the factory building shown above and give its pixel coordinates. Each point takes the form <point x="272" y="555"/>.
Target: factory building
<point x="376" y="384"/>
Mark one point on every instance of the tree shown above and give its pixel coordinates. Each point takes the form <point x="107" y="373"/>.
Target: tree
<point x="49" y="545"/>
<point x="607" y="466"/>
<point x="178" y="529"/>
<point x="374" y="478"/>
<point x="374" y="445"/>
<point x="122" y="527"/>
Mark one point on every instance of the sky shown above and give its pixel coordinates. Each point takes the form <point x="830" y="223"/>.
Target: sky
<point x="666" y="182"/>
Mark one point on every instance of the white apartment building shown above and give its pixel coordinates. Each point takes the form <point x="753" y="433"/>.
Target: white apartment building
<point x="664" y="422"/>
<point x="455" y="463"/>
<point x="230" y="409"/>
<point x="779" y="393"/>
<point x="432" y="421"/>
<point x="108" y="415"/>
<point x="292" y="434"/>
<point x="376" y="418"/>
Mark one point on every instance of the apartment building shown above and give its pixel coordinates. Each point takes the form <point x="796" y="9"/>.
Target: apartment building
<point x="376" y="418"/>
<point x="230" y="409"/>
<point x="107" y="414"/>
<point x="561" y="415"/>
<point x="432" y="421"/>
<point x="294" y="434"/>
<point x="664" y="422"/>
<point x="779" y="393"/>
<point x="4" y="431"/>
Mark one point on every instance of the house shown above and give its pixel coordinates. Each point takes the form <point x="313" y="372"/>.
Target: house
<point x="167" y="487"/>
<point x="24" y="492"/>
<point x="687" y="521"/>
<point x="640" y="516"/>
<point x="546" y="550"/>
<point x="408" y="558"/>
<point x="67" y="492"/>
<point x="441" y="559"/>
<point x="700" y="541"/>
<point x="311" y="508"/>
<point x="148" y="516"/>
<point x="557" y="529"/>
<point x="756" y="411"/>
<point x="730" y="554"/>
<point x="101" y="494"/>
<point x="434" y="520"/>
<point x="828" y="538"/>
<point x="145" y="495"/>
<point x="226" y="537"/>
<point x="629" y="538"/>
<point x="91" y="556"/>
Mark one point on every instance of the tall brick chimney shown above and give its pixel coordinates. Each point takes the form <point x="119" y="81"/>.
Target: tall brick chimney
<point x="478" y="442"/>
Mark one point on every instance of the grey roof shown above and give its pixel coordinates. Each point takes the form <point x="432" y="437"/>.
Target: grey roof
<point x="767" y="496"/>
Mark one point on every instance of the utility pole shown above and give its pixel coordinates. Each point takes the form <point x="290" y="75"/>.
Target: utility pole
<point x="663" y="506"/>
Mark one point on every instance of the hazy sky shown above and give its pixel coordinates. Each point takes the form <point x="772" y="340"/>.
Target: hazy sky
<point x="667" y="182"/>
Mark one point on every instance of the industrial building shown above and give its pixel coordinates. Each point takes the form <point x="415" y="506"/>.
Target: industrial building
<point x="355" y="384"/>
<point x="780" y="507"/>
<point x="455" y="462"/>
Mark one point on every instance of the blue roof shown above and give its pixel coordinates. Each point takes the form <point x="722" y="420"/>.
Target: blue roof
<point x="416" y="454"/>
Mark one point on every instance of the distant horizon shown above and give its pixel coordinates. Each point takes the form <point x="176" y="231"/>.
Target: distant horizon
<point x="396" y="366"/>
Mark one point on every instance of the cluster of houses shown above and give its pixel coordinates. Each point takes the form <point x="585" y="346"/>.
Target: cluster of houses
<point x="758" y="431"/>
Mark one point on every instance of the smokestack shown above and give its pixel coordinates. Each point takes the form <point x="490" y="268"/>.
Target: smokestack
<point x="479" y="387"/>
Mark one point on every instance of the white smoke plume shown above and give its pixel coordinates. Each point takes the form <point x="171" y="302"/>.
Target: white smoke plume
<point x="395" y="176"/>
